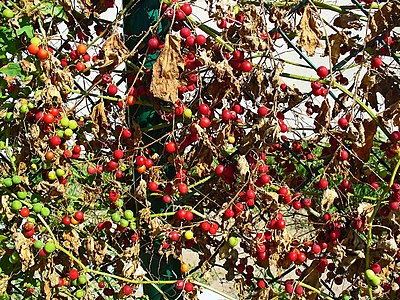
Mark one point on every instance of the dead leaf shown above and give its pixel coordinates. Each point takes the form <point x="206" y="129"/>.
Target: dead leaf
<point x="323" y="119"/>
<point x="99" y="118"/>
<point x="392" y="113"/>
<point x="114" y="52"/>
<point x="23" y="246"/>
<point x="27" y="66"/>
<point x="385" y="18"/>
<point x="363" y="146"/>
<point x="3" y="283"/>
<point x="328" y="198"/>
<point x="336" y="41"/>
<point x="309" y="32"/>
<point x="96" y="250"/>
<point x="243" y="168"/>
<point x="6" y="207"/>
<point x="165" y="78"/>
<point x="311" y="277"/>
<point x="349" y="20"/>
<point x="365" y="209"/>
<point x="71" y="241"/>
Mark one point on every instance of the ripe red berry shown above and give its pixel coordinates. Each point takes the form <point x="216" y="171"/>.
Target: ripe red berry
<point x="376" y="62"/>
<point x="118" y="154"/>
<point x="189" y="287"/>
<point x="55" y="141"/>
<point x="323" y="184"/>
<point x="205" y="226"/>
<point x="80" y="66"/>
<point x="200" y="40"/>
<point x="246" y="66"/>
<point x="183" y="188"/>
<point x="127" y="290"/>
<point x="343" y="123"/>
<point x="395" y="136"/>
<point x="185" y="32"/>
<point x="79" y="216"/>
<point x="33" y="49"/>
<point x="180" y="284"/>
<point x="153" y="43"/>
<point x="113" y="195"/>
<point x="48" y="118"/>
<point x="66" y="221"/>
<point x="112" y="90"/>
<point x="322" y="71"/>
<point x="73" y="274"/>
<point x="205" y="122"/>
<point x="262" y="111"/>
<point x="344" y="155"/>
<point x="170" y="147"/>
<point x="186" y="8"/>
<point x="24" y="212"/>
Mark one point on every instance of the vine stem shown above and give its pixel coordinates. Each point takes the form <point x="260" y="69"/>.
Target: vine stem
<point x="371" y="221"/>
<point x="214" y="290"/>
<point x="319" y="292"/>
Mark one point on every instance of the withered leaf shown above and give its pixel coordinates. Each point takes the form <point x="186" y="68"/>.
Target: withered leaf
<point x="114" y="52"/>
<point x="99" y="118"/>
<point x="96" y="250"/>
<point x="363" y="149"/>
<point x="71" y="240"/>
<point x="323" y="119"/>
<point x="243" y="168"/>
<point x="348" y="20"/>
<point x="3" y="283"/>
<point x="335" y="41"/>
<point x="309" y="32"/>
<point x="165" y="78"/>
<point x="392" y="113"/>
<point x="328" y="198"/>
<point x="311" y="277"/>
<point x="5" y="207"/>
<point x="23" y="247"/>
<point x="387" y="17"/>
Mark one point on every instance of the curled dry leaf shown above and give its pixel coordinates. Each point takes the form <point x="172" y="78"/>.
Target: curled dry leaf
<point x="363" y="146"/>
<point x="323" y="119"/>
<point x="335" y="41"/>
<point x="309" y="32"/>
<point x="3" y="283"/>
<point x="5" y="207"/>
<point x="250" y="30"/>
<point x="99" y="118"/>
<point x="311" y="277"/>
<point x="348" y="20"/>
<point x="23" y="246"/>
<point x="385" y="18"/>
<point x="96" y="250"/>
<point x="71" y="241"/>
<point x="114" y="52"/>
<point x="365" y="209"/>
<point x="165" y="78"/>
<point x="392" y="113"/>
<point x="243" y="168"/>
<point x="328" y="198"/>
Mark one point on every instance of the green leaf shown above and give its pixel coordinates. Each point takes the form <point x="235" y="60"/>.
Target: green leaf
<point x="25" y="27"/>
<point x="55" y="11"/>
<point x="12" y="69"/>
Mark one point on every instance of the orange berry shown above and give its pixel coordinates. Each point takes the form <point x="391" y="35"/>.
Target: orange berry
<point x="33" y="49"/>
<point x="81" y="49"/>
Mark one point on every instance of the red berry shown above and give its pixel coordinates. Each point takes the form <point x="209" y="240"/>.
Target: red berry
<point x="186" y="8"/>
<point x="33" y="49"/>
<point x="118" y="154"/>
<point x="174" y="236"/>
<point x="376" y="62"/>
<point x="205" y="226"/>
<point x="101" y="284"/>
<point x="183" y="188"/>
<point x="343" y="123"/>
<point x="113" y="195"/>
<point x="189" y="287"/>
<point x="112" y="90"/>
<point x="205" y="122"/>
<point x="246" y="66"/>
<point x="200" y="40"/>
<point x="48" y="118"/>
<point x="66" y="221"/>
<point x="395" y="136"/>
<point x="79" y="216"/>
<point x="80" y="66"/>
<point x="73" y="274"/>
<point x="127" y="290"/>
<point x="322" y="72"/>
<point x="180" y="284"/>
<point x="181" y="214"/>
<point x="262" y="111"/>
<point x="323" y="184"/>
<point x="376" y="268"/>
<point x="170" y="147"/>
<point x="185" y="32"/>
<point x="153" y="43"/>
<point x="55" y="141"/>
<point x="24" y="212"/>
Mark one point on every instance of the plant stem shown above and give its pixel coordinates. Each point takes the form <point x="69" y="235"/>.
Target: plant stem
<point x="213" y="290"/>
<point x="371" y="221"/>
<point x="319" y="292"/>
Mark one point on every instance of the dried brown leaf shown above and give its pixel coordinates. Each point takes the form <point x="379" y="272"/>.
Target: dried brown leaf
<point x="96" y="250"/>
<point x="336" y="41"/>
<point x="243" y="168"/>
<point x="328" y="198"/>
<point x="362" y="148"/>
<point x="23" y="246"/>
<point x="311" y="277"/>
<point x="309" y="32"/>
<point x="3" y="283"/>
<point x="348" y="20"/>
<point x="385" y="18"/>
<point x="71" y="241"/>
<point x="114" y="52"/>
<point x="165" y="78"/>
<point x="323" y="119"/>
<point x="5" y="207"/>
<point x="99" y="118"/>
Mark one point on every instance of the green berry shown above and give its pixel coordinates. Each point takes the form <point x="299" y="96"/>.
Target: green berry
<point x="119" y="203"/>
<point x="68" y="132"/>
<point x="36" y="41"/>
<point x="233" y="241"/>
<point x="37" y="207"/>
<point x="60" y="172"/>
<point x="375" y="281"/>
<point x="22" y="195"/>
<point x="187" y="113"/>
<point x="8" y="13"/>
<point x="16" y="179"/>
<point x="188" y="235"/>
<point x="16" y="205"/>
<point x="116" y="217"/>
<point x="124" y="223"/>
<point x="24" y="109"/>
<point x="45" y="212"/>
<point x="7" y="182"/>
<point x="82" y="279"/>
<point x="73" y="124"/>
<point x="38" y="244"/>
<point x="49" y="247"/>
<point x="369" y="274"/>
<point x="80" y="293"/>
<point x="14" y="258"/>
<point x="64" y="122"/>
<point x="52" y="175"/>
<point x="128" y="214"/>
